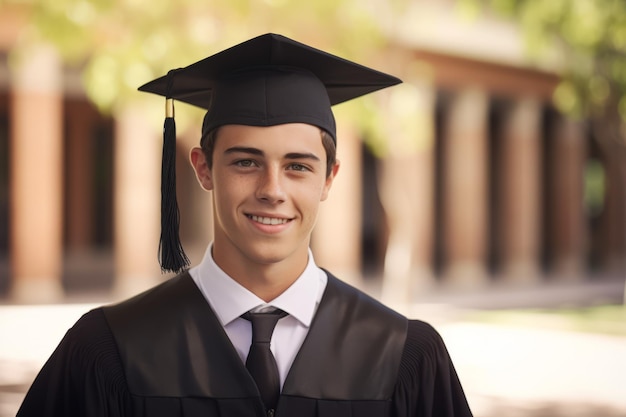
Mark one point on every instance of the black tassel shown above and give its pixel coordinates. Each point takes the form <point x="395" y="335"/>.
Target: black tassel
<point x="172" y="256"/>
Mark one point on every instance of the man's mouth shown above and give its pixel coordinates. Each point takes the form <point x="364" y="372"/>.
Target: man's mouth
<point x="268" y="220"/>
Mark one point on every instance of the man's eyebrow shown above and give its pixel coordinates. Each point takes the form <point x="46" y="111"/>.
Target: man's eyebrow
<point x="303" y="155"/>
<point x="243" y="149"/>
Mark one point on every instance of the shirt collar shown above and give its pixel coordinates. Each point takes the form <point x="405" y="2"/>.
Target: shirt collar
<point x="230" y="300"/>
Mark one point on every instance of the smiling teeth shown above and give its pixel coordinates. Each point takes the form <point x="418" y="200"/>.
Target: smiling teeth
<point x="269" y="220"/>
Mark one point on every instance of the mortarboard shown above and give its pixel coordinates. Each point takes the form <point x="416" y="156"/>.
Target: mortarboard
<point x="265" y="81"/>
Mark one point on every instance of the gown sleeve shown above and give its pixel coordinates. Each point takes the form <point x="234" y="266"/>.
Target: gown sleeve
<point x="82" y="377"/>
<point x="428" y="385"/>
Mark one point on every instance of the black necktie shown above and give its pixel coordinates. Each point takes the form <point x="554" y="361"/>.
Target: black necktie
<point x="261" y="363"/>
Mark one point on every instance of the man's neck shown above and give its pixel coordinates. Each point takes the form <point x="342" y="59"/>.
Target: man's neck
<point x="266" y="281"/>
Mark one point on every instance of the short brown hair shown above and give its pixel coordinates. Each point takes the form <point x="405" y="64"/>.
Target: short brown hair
<point x="207" y="143"/>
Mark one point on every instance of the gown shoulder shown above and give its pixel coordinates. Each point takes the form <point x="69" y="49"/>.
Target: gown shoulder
<point x="428" y="384"/>
<point x="82" y="377"/>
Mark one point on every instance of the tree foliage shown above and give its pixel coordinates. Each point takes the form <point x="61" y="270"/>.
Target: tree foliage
<point x="121" y="44"/>
<point x="588" y="40"/>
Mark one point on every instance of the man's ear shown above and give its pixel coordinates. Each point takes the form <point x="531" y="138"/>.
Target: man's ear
<point x="201" y="168"/>
<point x="329" y="180"/>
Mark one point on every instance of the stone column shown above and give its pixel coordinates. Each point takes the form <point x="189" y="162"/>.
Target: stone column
<point x="336" y="241"/>
<point x="519" y="194"/>
<point x="36" y="177"/>
<point x="613" y="257"/>
<point x="465" y="189"/>
<point x="566" y="219"/>
<point x="611" y="242"/>
<point x="407" y="192"/>
<point x="137" y="201"/>
<point x="79" y="178"/>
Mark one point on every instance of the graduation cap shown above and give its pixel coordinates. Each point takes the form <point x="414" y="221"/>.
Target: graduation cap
<point x="265" y="81"/>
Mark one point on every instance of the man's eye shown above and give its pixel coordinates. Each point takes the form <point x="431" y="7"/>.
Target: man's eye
<point x="299" y="167"/>
<point x="245" y="163"/>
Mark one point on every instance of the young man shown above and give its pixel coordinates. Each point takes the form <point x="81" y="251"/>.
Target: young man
<point x="257" y="328"/>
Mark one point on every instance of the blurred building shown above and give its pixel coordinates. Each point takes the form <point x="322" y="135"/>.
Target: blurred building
<point x="482" y="182"/>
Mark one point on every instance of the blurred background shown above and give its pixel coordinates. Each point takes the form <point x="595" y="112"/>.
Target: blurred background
<point x="486" y="194"/>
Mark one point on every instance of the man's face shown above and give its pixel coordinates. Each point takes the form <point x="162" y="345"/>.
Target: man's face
<point x="267" y="185"/>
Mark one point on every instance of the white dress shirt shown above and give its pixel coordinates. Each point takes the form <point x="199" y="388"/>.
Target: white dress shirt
<point x="230" y="300"/>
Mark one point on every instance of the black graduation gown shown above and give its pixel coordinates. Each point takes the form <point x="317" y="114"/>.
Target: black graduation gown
<point x="164" y="353"/>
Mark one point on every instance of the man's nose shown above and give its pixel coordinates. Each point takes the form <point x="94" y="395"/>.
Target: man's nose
<point x="271" y="187"/>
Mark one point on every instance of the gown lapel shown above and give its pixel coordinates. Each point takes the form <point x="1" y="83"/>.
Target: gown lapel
<point x="172" y="344"/>
<point x="352" y="351"/>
